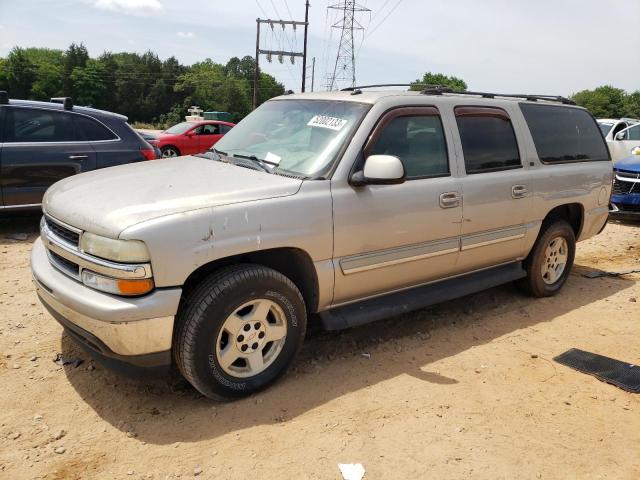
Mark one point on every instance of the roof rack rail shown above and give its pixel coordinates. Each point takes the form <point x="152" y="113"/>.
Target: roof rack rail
<point x="360" y="87"/>
<point x="67" y="102"/>
<point x="4" y="97"/>
<point x="439" y="90"/>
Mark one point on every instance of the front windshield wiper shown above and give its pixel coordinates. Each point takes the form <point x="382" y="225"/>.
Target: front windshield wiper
<point x="264" y="164"/>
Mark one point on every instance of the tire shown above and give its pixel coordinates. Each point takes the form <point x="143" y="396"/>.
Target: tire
<point x="170" y="151"/>
<point x="239" y="312"/>
<point x="549" y="264"/>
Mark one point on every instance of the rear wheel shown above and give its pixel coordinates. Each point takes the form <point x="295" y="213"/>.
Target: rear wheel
<point x="170" y="151"/>
<point x="239" y="330"/>
<point x="549" y="263"/>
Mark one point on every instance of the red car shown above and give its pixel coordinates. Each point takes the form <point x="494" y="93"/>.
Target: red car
<point x="187" y="138"/>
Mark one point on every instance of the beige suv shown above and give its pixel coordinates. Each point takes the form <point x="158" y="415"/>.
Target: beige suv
<point x="340" y="208"/>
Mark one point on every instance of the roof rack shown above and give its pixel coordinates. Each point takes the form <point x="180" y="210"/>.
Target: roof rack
<point x="67" y="102"/>
<point x="4" y="98"/>
<point x="439" y="90"/>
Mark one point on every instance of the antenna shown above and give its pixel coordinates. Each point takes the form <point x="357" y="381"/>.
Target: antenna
<point x="344" y="71"/>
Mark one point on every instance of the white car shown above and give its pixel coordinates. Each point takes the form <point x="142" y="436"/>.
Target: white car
<point x="625" y="142"/>
<point x="612" y="126"/>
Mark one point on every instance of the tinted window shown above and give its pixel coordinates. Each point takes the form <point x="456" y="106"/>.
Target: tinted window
<point x="605" y="127"/>
<point x="89" y="129"/>
<point x="224" y="128"/>
<point x="418" y="141"/>
<point x="564" y="134"/>
<point x="34" y="125"/>
<point x="488" y="140"/>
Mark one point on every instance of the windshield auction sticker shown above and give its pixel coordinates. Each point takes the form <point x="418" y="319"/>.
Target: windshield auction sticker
<point x="323" y="121"/>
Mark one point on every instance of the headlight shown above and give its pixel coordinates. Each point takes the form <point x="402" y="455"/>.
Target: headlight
<point x="127" y="251"/>
<point x="117" y="286"/>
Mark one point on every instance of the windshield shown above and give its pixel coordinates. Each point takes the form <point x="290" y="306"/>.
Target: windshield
<point x="180" y="128"/>
<point x="605" y="127"/>
<point x="300" y="136"/>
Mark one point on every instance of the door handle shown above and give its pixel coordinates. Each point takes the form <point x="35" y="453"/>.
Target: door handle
<point x="519" y="191"/>
<point x="78" y="157"/>
<point x="449" y="199"/>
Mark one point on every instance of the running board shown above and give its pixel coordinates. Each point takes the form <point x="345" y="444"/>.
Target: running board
<point x="405" y="301"/>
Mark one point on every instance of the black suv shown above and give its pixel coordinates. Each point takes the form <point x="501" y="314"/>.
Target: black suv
<point x="43" y="142"/>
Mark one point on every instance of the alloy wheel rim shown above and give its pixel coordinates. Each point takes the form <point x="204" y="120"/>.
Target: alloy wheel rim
<point x="555" y="260"/>
<point x="169" y="152"/>
<point x="251" y="338"/>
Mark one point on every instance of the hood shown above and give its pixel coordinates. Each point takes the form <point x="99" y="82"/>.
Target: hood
<point x="107" y="201"/>
<point x="630" y="164"/>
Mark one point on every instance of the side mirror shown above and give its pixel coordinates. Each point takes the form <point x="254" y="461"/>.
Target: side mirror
<point x="380" y="170"/>
<point x="620" y="135"/>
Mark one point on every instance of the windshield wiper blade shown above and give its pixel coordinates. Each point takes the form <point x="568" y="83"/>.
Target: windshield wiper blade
<point x="263" y="163"/>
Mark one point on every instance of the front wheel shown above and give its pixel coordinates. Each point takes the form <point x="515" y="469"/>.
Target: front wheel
<point x="239" y="330"/>
<point x="549" y="263"/>
<point x="170" y="151"/>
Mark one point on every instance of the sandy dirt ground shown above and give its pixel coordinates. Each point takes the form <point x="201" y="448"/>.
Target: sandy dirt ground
<point x="466" y="389"/>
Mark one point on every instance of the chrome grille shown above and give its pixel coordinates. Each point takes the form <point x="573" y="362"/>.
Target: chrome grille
<point x="62" y="232"/>
<point x="65" y="265"/>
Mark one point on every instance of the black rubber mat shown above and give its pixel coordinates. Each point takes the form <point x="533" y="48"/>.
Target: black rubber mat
<point x="621" y="374"/>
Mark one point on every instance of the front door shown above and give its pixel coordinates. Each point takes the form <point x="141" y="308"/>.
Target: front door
<point x="496" y="189"/>
<point x="625" y="147"/>
<point x="389" y="237"/>
<point x="40" y="148"/>
<point x="208" y="135"/>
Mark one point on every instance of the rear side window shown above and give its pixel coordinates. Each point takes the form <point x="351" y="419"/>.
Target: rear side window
<point x="417" y="140"/>
<point x="91" y="130"/>
<point x="224" y="128"/>
<point x="36" y="125"/>
<point x="564" y="134"/>
<point x="488" y="140"/>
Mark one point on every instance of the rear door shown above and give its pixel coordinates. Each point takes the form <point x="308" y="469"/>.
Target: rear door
<point x="110" y="149"/>
<point x="40" y="147"/>
<point x="496" y="191"/>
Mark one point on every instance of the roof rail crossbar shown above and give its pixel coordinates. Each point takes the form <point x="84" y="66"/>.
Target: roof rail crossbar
<point x="532" y="98"/>
<point x="67" y="102"/>
<point x="4" y="98"/>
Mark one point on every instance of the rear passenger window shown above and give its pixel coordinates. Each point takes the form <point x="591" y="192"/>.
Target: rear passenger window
<point x="564" y="134"/>
<point x="224" y="128"/>
<point x="633" y="133"/>
<point x="91" y="130"/>
<point x="488" y="140"/>
<point x="418" y="141"/>
<point x="36" y="125"/>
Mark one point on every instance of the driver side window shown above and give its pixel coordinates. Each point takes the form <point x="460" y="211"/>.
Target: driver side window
<point x="418" y="140"/>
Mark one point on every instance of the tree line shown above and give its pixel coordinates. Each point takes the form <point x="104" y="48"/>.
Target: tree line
<point x="142" y="87"/>
<point x="603" y="102"/>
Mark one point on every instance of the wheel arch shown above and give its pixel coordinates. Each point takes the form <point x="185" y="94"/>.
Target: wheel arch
<point x="294" y="263"/>
<point x="573" y="213"/>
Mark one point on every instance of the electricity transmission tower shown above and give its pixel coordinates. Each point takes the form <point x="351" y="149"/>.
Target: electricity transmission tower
<point x="344" y="71"/>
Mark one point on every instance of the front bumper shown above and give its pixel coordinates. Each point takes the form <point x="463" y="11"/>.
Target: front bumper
<point x="136" y="331"/>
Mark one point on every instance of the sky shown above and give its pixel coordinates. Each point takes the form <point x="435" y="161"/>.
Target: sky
<point x="554" y="47"/>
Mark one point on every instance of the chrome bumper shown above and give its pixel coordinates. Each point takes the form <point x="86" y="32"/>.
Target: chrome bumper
<point x="127" y="326"/>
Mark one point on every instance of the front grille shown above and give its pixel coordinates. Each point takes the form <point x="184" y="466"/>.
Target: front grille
<point x="622" y="188"/>
<point x="628" y="207"/>
<point x="67" y="235"/>
<point x="65" y="265"/>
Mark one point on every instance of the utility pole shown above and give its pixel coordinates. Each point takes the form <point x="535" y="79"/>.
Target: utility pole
<point x="280" y="54"/>
<point x="313" y="72"/>
<point x="304" y="56"/>
<point x="345" y="66"/>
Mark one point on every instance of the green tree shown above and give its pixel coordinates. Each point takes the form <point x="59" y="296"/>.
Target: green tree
<point x="603" y="102"/>
<point x="440" y="79"/>
<point x="632" y="105"/>
<point x="75" y="56"/>
<point x="20" y="73"/>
